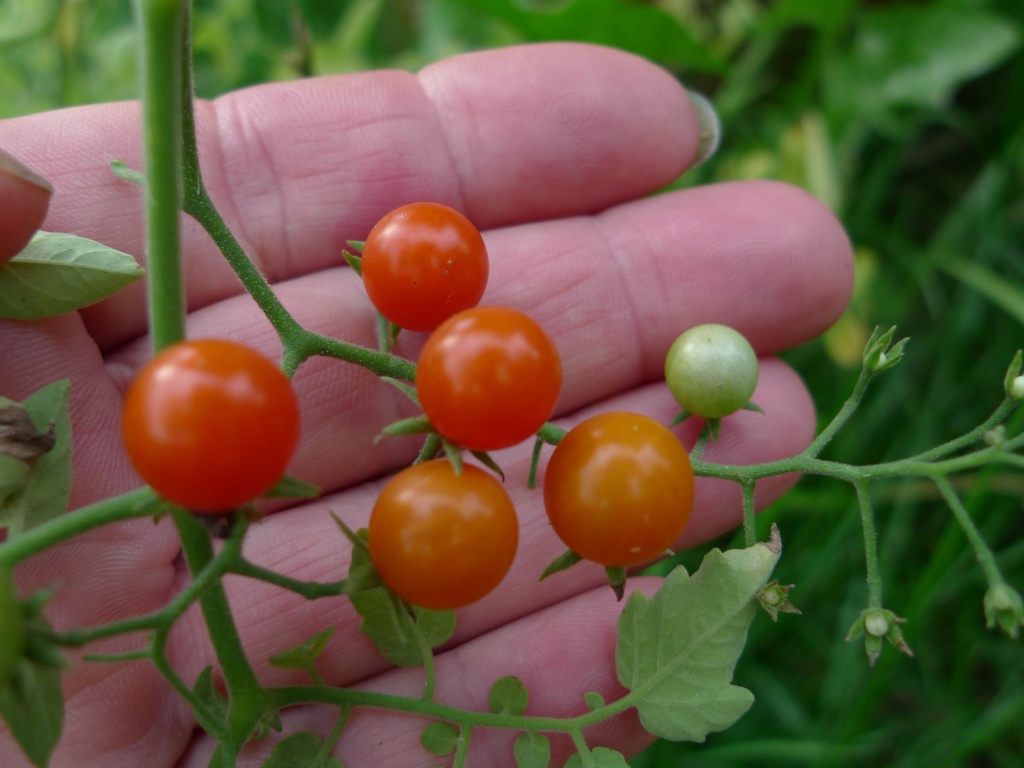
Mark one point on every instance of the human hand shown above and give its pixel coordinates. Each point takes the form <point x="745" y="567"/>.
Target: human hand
<point x="24" y="197"/>
<point x="551" y="151"/>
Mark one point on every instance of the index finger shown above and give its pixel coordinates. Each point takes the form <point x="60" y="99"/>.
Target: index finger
<point x="299" y="168"/>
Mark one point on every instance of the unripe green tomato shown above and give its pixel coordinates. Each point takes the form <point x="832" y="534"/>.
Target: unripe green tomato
<point x="12" y="626"/>
<point x="711" y="370"/>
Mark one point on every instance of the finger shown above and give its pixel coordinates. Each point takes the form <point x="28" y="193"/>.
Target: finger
<point x="305" y="542"/>
<point x="300" y="168"/>
<point x="559" y="653"/>
<point x="25" y="196"/>
<point x="613" y="291"/>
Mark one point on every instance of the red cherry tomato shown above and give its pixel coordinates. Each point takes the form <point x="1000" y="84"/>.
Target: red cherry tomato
<point x="441" y="540"/>
<point x="210" y="424"/>
<point x="488" y="378"/>
<point x="618" y="489"/>
<point x="422" y="263"/>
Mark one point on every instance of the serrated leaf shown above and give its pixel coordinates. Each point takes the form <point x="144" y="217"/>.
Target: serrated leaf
<point x="390" y="623"/>
<point x="676" y="651"/>
<point x="44" y="493"/>
<point x="300" y="750"/>
<point x="32" y="705"/>
<point x="532" y="750"/>
<point x="58" y="273"/>
<point x="601" y="757"/>
<point x="440" y="738"/>
<point x="508" y="696"/>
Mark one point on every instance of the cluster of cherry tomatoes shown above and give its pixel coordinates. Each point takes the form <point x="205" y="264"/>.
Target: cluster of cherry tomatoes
<point x="212" y="424"/>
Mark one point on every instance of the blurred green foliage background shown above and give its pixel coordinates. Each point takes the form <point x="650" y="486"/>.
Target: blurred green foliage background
<point x="907" y="118"/>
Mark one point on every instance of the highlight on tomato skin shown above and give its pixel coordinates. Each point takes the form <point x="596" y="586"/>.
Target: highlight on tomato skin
<point x="488" y="378"/>
<point x="443" y="540"/>
<point x="210" y="424"/>
<point x="422" y="263"/>
<point x="619" y="488"/>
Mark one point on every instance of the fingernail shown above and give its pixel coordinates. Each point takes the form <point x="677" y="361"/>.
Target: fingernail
<point x="13" y="167"/>
<point x="710" y="126"/>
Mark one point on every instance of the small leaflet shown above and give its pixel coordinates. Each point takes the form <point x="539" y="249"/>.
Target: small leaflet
<point x="58" y="273"/>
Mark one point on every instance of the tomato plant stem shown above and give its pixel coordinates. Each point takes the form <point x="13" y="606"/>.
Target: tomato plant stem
<point x="139" y="503"/>
<point x="867" y="521"/>
<point x="246" y="697"/>
<point x="162" y="25"/>
<point x="981" y="549"/>
<point x="749" y="524"/>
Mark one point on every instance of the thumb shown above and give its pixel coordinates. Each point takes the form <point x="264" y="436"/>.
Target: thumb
<point x="24" y="198"/>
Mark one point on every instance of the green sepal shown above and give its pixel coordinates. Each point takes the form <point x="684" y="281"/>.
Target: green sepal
<point x="616" y="576"/>
<point x="564" y="561"/>
<point x="290" y="487"/>
<point x="353" y="261"/>
<point x="878" y="354"/>
<point x="1013" y="386"/>
<point x="454" y="454"/>
<point x="682" y="416"/>
<point x="305" y="654"/>
<point x="876" y="625"/>
<point x="774" y="598"/>
<point x="431" y="448"/>
<point x="485" y="458"/>
<point x="404" y="387"/>
<point x="1005" y="608"/>
<point x="414" y="425"/>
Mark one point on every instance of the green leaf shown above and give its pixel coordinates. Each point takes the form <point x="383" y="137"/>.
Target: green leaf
<point x="601" y="757"/>
<point x="440" y="738"/>
<point x="508" y="696"/>
<point x="638" y="27"/>
<point x="676" y="651"/>
<point x="43" y="494"/>
<point x="994" y="287"/>
<point x="532" y="750"/>
<point x="32" y="705"/>
<point x="300" y="750"/>
<point x="916" y="55"/>
<point x="388" y="621"/>
<point x="59" y="273"/>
